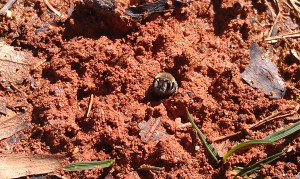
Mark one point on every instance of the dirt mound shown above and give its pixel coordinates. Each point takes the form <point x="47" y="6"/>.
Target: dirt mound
<point x="102" y="52"/>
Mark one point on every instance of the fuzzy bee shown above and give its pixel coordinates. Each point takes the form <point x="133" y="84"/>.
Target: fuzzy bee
<point x="164" y="84"/>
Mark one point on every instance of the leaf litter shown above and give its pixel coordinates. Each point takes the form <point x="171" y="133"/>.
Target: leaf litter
<point x="2" y="106"/>
<point x="12" y="123"/>
<point x="14" y="66"/>
<point x="154" y="7"/>
<point x="20" y="165"/>
<point x="151" y="130"/>
<point x="262" y="73"/>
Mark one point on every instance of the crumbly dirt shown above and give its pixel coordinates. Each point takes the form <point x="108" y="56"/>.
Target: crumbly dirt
<point x="204" y="46"/>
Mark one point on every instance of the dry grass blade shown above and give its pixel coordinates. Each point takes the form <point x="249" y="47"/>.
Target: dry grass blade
<point x="274" y="116"/>
<point x="52" y="8"/>
<point x="288" y="35"/>
<point x="295" y="6"/>
<point x="39" y="64"/>
<point x="3" y="109"/>
<point x="78" y="166"/>
<point x="16" y="165"/>
<point x="6" y="7"/>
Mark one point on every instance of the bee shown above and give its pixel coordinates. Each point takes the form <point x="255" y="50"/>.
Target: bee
<point x="164" y="84"/>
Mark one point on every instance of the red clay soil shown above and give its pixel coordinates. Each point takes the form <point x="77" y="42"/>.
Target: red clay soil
<point x="205" y="48"/>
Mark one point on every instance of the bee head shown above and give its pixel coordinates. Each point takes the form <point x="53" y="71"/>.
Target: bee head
<point x="164" y="85"/>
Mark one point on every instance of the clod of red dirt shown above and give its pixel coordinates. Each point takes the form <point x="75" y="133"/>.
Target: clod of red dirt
<point x="101" y="51"/>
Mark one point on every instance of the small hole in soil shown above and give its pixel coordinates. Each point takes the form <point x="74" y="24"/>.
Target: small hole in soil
<point x="290" y="59"/>
<point x="235" y="99"/>
<point x="133" y="130"/>
<point x="258" y="112"/>
<point x="245" y="31"/>
<point x="78" y="68"/>
<point x="179" y="68"/>
<point x="90" y="20"/>
<point x="107" y="148"/>
<point x="55" y="141"/>
<point x="70" y="132"/>
<point x="86" y="124"/>
<point x="158" y="44"/>
<point x="212" y="73"/>
<point x="37" y="133"/>
<point x="82" y="93"/>
<point x="260" y="6"/>
<point x="48" y="74"/>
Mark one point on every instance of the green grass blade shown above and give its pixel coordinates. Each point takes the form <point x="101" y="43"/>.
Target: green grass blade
<point x="208" y="146"/>
<point x="259" y="164"/>
<point x="284" y="132"/>
<point x="89" y="165"/>
<point x="245" y="144"/>
<point x="149" y="167"/>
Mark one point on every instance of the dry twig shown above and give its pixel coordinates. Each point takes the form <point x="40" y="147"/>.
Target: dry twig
<point x="273" y="116"/>
<point x="289" y="35"/>
<point x="90" y="105"/>
<point x="39" y="64"/>
<point x="271" y="9"/>
<point x="52" y="8"/>
<point x="274" y="24"/>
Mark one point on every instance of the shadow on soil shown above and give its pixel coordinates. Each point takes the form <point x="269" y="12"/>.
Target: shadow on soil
<point x="93" y="21"/>
<point x="223" y="16"/>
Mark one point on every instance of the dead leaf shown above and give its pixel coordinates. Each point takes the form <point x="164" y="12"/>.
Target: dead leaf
<point x="20" y="165"/>
<point x="14" y="66"/>
<point x="2" y="106"/>
<point x="154" y="7"/>
<point x="141" y="10"/>
<point x="262" y="73"/>
<point x="11" y="124"/>
<point x="151" y="130"/>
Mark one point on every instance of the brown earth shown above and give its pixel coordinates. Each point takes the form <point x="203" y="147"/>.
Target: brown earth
<point x="205" y="48"/>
